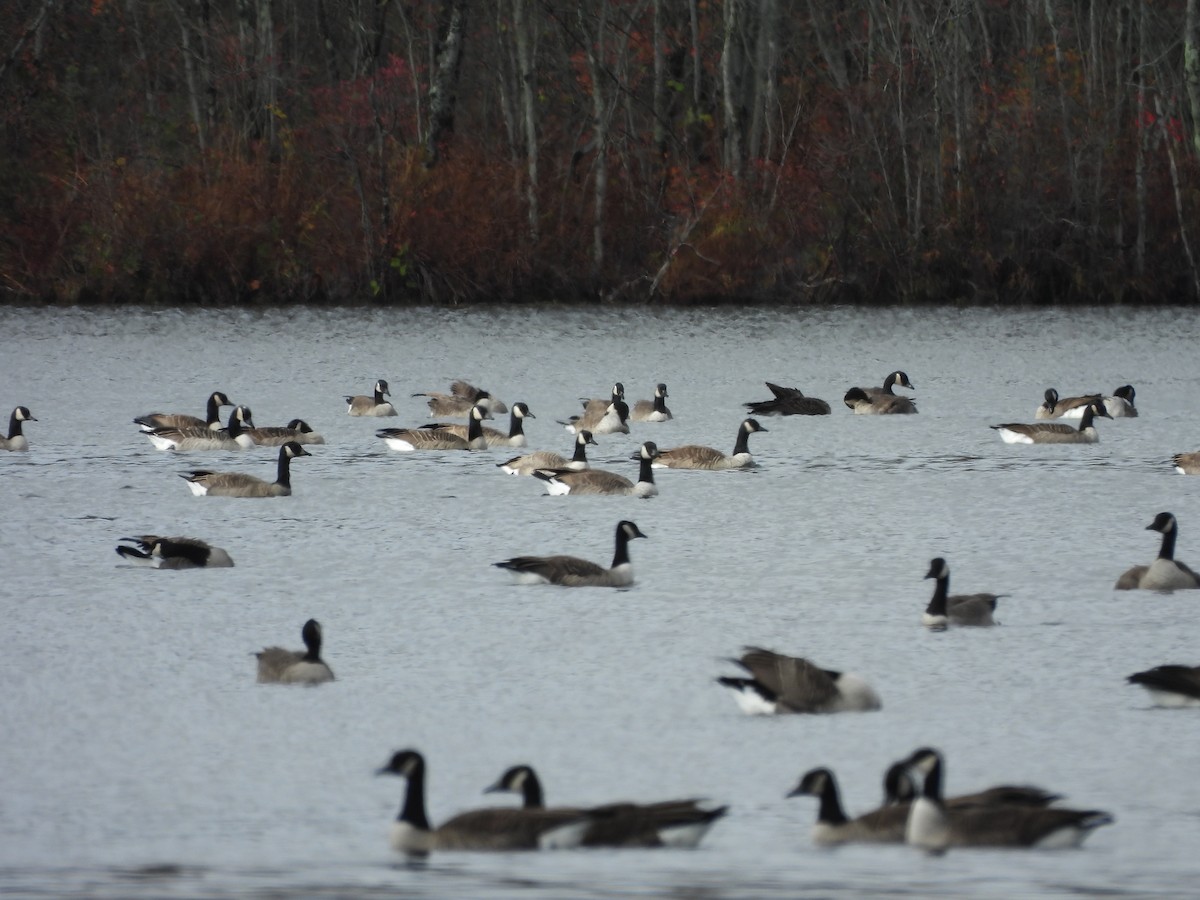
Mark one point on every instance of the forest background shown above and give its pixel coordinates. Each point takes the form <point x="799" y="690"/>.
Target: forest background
<point x="681" y="151"/>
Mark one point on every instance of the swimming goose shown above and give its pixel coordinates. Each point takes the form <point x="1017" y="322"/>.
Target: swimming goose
<point x="235" y="484"/>
<point x="598" y="405"/>
<point x="692" y="456"/>
<point x="788" y="684"/>
<point x="864" y="404"/>
<point x="275" y="436"/>
<point x="884" y="825"/>
<point x="669" y="823"/>
<point x="438" y="436"/>
<point x="493" y="437"/>
<point x="1187" y="463"/>
<point x="789" y="401"/>
<point x="571" y="571"/>
<point x="212" y="419"/>
<point x="613" y="420"/>
<point x="652" y="410"/>
<point x="1054" y="432"/>
<point x="359" y="405"/>
<point x="598" y="481"/>
<point x="279" y="666"/>
<point x="1166" y="573"/>
<point x="498" y="828"/>
<point x="16" y="439"/>
<point x="1170" y="685"/>
<point x="900" y="788"/>
<point x="173" y="553"/>
<point x="1055" y="407"/>
<point x="960" y="609"/>
<point x="545" y="459"/>
<point x="461" y="399"/>
<point x="1119" y="405"/>
<point x="234" y="436"/>
<point x="933" y="826"/>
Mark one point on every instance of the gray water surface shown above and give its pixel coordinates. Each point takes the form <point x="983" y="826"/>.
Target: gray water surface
<point x="140" y="759"/>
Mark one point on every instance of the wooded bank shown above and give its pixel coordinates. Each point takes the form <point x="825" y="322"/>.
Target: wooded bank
<point x="864" y="151"/>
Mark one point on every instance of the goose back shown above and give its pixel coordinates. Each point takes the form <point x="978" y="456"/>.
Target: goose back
<point x="546" y="459"/>
<point x="693" y="456"/>
<point x="789" y="684"/>
<point x="571" y="571"/>
<point x="787" y="401"/>
<point x="372" y="406"/>
<point x="157" y="552"/>
<point x="212" y="419"/>
<point x="1054" y="432"/>
<point x="601" y="482"/>
<point x="279" y="666"/>
<point x="204" y="482"/>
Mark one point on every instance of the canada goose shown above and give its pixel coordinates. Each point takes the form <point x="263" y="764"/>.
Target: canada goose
<point x="233" y="437"/>
<point x="960" y="609"/>
<point x="173" y="553"/>
<point x="279" y="666"/>
<point x="1187" y="463"/>
<point x="1054" y="432"/>
<point x="16" y="439"/>
<point x="1119" y="404"/>
<point x="461" y="399"/>
<point x="900" y="788"/>
<point x="598" y="481"/>
<point x="212" y="419"/>
<point x="358" y="405"/>
<point x="571" y="571"/>
<point x="933" y="826"/>
<point x="1166" y="573"/>
<point x="788" y="684"/>
<point x="235" y="484"/>
<point x="789" y="401"/>
<point x="692" y="456"/>
<point x="438" y="436"/>
<point x="499" y="828"/>
<point x="864" y="404"/>
<point x="595" y="410"/>
<point x="652" y="410"/>
<point x="669" y="823"/>
<point x="1170" y="685"/>
<point x="545" y="459"/>
<point x="894" y="379"/>
<point x="296" y="430"/>
<point x="613" y="420"/>
<point x="1055" y="407"/>
<point x="884" y="825"/>
<point x="494" y="437"/>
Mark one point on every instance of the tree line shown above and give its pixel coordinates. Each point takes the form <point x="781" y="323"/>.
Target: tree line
<point x="684" y="151"/>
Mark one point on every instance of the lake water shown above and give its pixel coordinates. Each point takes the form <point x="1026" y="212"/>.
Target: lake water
<point x="141" y="759"/>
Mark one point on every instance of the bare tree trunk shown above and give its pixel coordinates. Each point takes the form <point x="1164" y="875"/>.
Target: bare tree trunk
<point x="594" y="48"/>
<point x="1179" y="210"/>
<point x="189" y="73"/>
<point x="30" y="30"/>
<point x="527" y="74"/>
<point x="658" y="96"/>
<point x="444" y="88"/>
<point x="1143" y="135"/>
<point x="1191" y="68"/>
<point x="1061" y="77"/>
<point x="729" y="90"/>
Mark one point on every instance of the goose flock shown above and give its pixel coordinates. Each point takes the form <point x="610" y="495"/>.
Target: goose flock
<point x="914" y="809"/>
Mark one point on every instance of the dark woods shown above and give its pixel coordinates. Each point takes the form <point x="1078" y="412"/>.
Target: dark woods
<point x="963" y="151"/>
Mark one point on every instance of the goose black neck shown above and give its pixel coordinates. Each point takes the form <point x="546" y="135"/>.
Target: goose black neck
<point x="235" y="426"/>
<point x="474" y="427"/>
<point x="1088" y="416"/>
<point x="937" y="603"/>
<point x="830" y="811"/>
<point x="284" y="472"/>
<point x="14" y="425"/>
<point x="214" y="410"/>
<point x="1167" y="549"/>
<point x="378" y="396"/>
<point x="660" y="403"/>
<point x="531" y="791"/>
<point x="646" y="472"/>
<point x="621" y="555"/>
<point x="742" y="444"/>
<point x="932" y="789"/>
<point x="516" y="425"/>
<point x="412" y="810"/>
<point x="312" y="641"/>
<point x="580" y="454"/>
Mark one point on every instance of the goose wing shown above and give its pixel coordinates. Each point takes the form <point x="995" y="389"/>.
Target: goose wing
<point x="1175" y="679"/>
<point x="796" y="682"/>
<point x="689" y="456"/>
<point x="274" y="661"/>
<point x="557" y="569"/>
